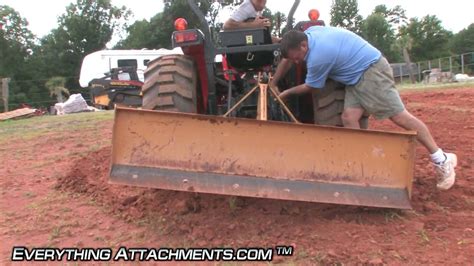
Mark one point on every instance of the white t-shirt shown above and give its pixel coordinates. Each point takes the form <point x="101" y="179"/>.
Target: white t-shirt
<point x="245" y="11"/>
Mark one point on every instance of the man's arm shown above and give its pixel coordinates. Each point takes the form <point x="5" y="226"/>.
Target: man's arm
<point x="259" y="22"/>
<point x="298" y="90"/>
<point x="280" y="72"/>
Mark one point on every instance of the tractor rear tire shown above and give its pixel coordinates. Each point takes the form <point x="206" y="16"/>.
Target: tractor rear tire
<point x="328" y="105"/>
<point x="171" y="85"/>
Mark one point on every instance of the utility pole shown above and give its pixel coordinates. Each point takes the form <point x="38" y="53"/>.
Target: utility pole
<point x="5" y="82"/>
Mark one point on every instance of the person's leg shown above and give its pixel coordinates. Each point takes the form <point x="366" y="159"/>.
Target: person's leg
<point x="410" y="122"/>
<point x="353" y="110"/>
<point x="351" y="116"/>
<point x="444" y="162"/>
<point x="377" y="94"/>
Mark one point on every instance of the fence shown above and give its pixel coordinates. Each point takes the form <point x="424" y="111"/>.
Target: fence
<point x="456" y="64"/>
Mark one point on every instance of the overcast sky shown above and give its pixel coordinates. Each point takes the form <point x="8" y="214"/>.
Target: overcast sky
<point x="454" y="14"/>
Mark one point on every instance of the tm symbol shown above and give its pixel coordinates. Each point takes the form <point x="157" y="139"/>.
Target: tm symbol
<point x="284" y="250"/>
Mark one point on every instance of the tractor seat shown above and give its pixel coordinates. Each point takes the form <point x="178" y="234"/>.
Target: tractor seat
<point x="246" y="61"/>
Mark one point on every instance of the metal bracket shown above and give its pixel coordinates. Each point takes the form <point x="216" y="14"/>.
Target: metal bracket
<point x="262" y="101"/>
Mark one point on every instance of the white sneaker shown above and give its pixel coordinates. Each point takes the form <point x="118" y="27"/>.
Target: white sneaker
<point x="445" y="171"/>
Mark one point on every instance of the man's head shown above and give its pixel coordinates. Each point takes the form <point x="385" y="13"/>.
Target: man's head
<point x="259" y="5"/>
<point x="294" y="45"/>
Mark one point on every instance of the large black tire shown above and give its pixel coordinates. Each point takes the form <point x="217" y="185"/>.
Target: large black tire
<point x="171" y="84"/>
<point x="328" y="105"/>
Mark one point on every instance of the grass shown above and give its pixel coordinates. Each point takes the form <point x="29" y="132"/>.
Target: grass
<point x="422" y="86"/>
<point x="26" y="129"/>
<point x="55" y="233"/>
<point x="424" y="236"/>
<point x="392" y="215"/>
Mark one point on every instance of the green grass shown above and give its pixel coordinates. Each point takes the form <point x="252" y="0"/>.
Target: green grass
<point x="26" y="129"/>
<point x="422" y="86"/>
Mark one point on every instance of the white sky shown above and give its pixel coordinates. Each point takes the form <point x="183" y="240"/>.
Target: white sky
<point x="454" y="14"/>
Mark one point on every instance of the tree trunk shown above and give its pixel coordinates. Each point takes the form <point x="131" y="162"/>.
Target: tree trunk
<point x="406" y="57"/>
<point x="59" y="96"/>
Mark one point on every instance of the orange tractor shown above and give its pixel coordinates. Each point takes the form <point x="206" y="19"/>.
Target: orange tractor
<point x="203" y="128"/>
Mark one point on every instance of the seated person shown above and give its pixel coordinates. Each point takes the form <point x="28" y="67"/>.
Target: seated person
<point x="249" y="9"/>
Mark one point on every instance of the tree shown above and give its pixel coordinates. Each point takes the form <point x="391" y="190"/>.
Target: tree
<point x="405" y="44"/>
<point x="279" y="21"/>
<point x="377" y="31"/>
<point x="157" y="34"/>
<point x="345" y="14"/>
<point x="463" y="41"/>
<point x="396" y="16"/>
<point x="56" y="88"/>
<point x="88" y="25"/>
<point x="16" y="43"/>
<point x="85" y="27"/>
<point x="15" y="28"/>
<point x="139" y="36"/>
<point x="429" y="39"/>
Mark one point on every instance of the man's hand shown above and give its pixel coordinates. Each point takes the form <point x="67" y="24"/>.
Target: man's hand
<point x="285" y="95"/>
<point x="298" y="90"/>
<point x="261" y="22"/>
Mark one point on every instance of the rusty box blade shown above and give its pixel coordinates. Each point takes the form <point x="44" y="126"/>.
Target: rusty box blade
<point x="246" y="157"/>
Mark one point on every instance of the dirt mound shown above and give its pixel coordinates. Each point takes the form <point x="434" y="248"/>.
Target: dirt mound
<point x="439" y="230"/>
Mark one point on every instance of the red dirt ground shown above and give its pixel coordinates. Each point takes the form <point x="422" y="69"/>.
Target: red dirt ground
<point x="72" y="205"/>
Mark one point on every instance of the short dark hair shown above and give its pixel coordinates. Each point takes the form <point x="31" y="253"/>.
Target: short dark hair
<point x="292" y="40"/>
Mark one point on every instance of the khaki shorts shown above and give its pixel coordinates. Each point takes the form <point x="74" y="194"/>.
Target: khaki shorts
<point x="375" y="92"/>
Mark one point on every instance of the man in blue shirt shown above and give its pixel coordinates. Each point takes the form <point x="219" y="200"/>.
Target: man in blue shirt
<point x="343" y="56"/>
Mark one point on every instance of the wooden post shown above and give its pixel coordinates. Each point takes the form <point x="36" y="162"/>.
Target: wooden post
<point x="450" y="64"/>
<point x="401" y="74"/>
<point x="419" y="72"/>
<point x="5" y="82"/>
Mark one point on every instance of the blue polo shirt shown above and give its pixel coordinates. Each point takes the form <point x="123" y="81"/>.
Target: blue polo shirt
<point x="338" y="54"/>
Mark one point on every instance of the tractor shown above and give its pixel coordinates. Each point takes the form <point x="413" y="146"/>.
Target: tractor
<point x="119" y="86"/>
<point x="203" y="128"/>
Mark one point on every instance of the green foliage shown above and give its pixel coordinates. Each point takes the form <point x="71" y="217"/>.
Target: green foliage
<point x="279" y="21"/>
<point x="345" y="14"/>
<point x="377" y="31"/>
<point x="381" y="29"/>
<point x="16" y="41"/>
<point x="15" y="28"/>
<point x="89" y="24"/>
<point x="56" y="87"/>
<point x="463" y="41"/>
<point x="429" y="39"/>
<point x="396" y="16"/>
<point x="85" y="27"/>
<point x="140" y="35"/>
<point x="157" y="34"/>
